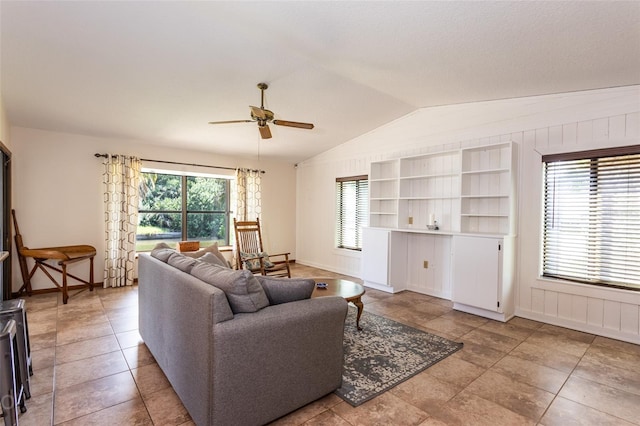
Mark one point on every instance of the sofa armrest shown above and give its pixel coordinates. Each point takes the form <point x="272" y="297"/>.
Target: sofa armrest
<point x="277" y="359"/>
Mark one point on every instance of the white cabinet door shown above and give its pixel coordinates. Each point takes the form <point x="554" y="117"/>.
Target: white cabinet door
<point x="375" y="255"/>
<point x="476" y="272"/>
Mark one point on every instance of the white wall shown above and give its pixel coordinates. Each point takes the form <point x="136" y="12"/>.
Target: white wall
<point x="561" y="122"/>
<point x="58" y="191"/>
<point x="4" y="125"/>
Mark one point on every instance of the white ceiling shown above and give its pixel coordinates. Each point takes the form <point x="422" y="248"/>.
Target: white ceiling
<point x="159" y="71"/>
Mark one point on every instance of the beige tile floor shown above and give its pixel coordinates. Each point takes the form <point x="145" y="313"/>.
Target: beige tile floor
<point x="92" y="368"/>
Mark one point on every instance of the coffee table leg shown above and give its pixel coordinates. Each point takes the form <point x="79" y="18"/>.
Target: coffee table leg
<point x="360" y="307"/>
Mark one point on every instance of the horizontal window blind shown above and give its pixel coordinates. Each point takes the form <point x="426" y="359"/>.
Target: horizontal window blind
<point x="352" y="200"/>
<point x="592" y="217"/>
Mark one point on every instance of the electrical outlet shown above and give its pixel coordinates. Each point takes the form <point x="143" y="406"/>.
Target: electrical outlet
<point x="425" y="264"/>
<point x="410" y="220"/>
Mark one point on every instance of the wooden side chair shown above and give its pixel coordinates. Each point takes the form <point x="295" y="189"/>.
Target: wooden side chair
<point x="250" y="253"/>
<point x="65" y="255"/>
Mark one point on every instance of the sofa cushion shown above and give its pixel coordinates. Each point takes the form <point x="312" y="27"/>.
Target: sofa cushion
<point x="253" y="264"/>
<point x="162" y="252"/>
<point x="213" y="249"/>
<point x="244" y="292"/>
<point x="285" y="290"/>
<point x="212" y="259"/>
<point x="184" y="263"/>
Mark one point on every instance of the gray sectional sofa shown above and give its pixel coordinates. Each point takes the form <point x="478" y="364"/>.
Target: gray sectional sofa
<point x="238" y="349"/>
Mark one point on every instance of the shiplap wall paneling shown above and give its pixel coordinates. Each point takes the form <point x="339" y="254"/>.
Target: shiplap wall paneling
<point x="565" y="306"/>
<point x="551" y="303"/>
<point x="612" y="313"/>
<point x="555" y="136"/>
<point x="595" y="312"/>
<point x="537" y="300"/>
<point x="601" y="129"/>
<point x="632" y="125"/>
<point x="579" y="306"/>
<point x="629" y="318"/>
<point x="580" y="120"/>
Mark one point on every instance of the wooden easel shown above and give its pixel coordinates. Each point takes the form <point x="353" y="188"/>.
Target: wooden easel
<point x="65" y="255"/>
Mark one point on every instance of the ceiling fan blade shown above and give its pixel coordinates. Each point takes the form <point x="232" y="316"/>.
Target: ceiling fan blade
<point x="293" y="124"/>
<point x="258" y="113"/>
<point x="265" y="132"/>
<point x="231" y="122"/>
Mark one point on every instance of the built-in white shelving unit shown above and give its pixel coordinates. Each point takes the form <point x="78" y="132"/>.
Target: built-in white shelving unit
<point x="429" y="188"/>
<point x="486" y="189"/>
<point x="470" y="192"/>
<point x="383" y="194"/>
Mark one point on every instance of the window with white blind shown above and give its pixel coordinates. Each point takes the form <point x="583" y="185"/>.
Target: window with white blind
<point x="591" y="223"/>
<point x="352" y="206"/>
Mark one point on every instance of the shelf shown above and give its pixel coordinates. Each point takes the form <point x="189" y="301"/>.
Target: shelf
<point x="385" y="213"/>
<point x="485" y="196"/>
<point x="487" y="171"/>
<point x="383" y="180"/>
<point x="432" y="176"/>
<point x="435" y="163"/>
<point x="453" y="197"/>
<point x="382" y="170"/>
<point x="382" y="198"/>
<point x="483" y="215"/>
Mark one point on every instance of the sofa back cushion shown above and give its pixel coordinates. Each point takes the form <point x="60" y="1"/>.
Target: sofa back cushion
<point x="162" y="252"/>
<point x="212" y="259"/>
<point x="244" y="292"/>
<point x="182" y="262"/>
<point x="212" y="249"/>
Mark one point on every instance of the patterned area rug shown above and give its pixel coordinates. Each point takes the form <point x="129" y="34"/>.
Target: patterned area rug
<point x="384" y="354"/>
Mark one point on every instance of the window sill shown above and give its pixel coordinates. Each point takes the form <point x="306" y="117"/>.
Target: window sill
<point x="587" y="290"/>
<point x="347" y="253"/>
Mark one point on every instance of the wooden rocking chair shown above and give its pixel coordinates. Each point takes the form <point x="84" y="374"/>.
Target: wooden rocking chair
<point x="250" y="253"/>
<point x="65" y="255"/>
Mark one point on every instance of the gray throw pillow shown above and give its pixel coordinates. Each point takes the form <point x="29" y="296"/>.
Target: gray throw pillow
<point x="244" y="292"/>
<point x="212" y="259"/>
<point x="213" y="249"/>
<point x="285" y="290"/>
<point x="162" y="252"/>
<point x="181" y="262"/>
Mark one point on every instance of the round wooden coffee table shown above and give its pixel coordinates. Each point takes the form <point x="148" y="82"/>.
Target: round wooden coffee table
<point x="350" y="291"/>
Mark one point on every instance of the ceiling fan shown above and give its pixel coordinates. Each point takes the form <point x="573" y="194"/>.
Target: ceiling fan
<point x="263" y="116"/>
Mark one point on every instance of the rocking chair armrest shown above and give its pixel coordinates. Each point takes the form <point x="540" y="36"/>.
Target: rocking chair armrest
<point x="251" y="258"/>
<point x="286" y="255"/>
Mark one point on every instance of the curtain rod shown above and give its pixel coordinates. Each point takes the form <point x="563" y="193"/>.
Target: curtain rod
<point x="180" y="164"/>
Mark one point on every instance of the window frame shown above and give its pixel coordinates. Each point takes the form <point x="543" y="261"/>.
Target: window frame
<point x="184" y="211"/>
<point x="361" y="208"/>
<point x="599" y="190"/>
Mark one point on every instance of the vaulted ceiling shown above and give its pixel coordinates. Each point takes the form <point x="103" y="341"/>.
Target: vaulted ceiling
<point x="157" y="72"/>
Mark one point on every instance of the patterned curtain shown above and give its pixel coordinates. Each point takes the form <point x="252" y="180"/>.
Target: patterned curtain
<point x="121" y="180"/>
<point x="249" y="194"/>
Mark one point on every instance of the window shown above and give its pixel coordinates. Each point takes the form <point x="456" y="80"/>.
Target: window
<point x="178" y="208"/>
<point x="353" y="211"/>
<point x="591" y="223"/>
